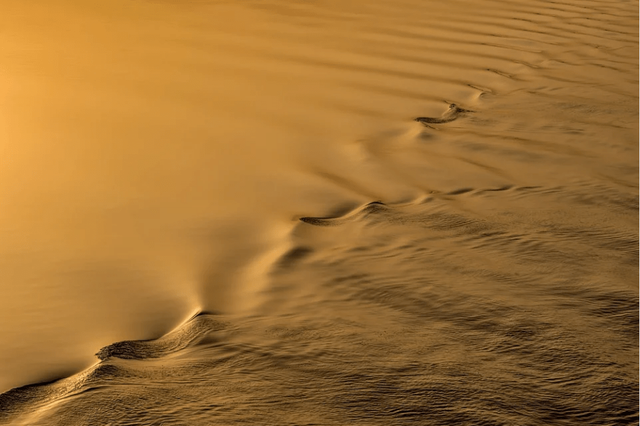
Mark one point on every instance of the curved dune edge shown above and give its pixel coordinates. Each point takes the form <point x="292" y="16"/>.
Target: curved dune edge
<point x="379" y="207"/>
<point x="28" y="400"/>
<point x="453" y="113"/>
<point x="189" y="333"/>
<point x="572" y="369"/>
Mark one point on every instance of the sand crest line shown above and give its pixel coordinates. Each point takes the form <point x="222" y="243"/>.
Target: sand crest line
<point x="189" y="333"/>
<point x="453" y="113"/>
<point x="41" y="395"/>
<point x="380" y="206"/>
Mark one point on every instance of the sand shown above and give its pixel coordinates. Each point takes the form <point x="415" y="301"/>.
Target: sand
<point x="324" y="212"/>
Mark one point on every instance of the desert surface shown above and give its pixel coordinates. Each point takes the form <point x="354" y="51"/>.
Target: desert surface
<point x="280" y="212"/>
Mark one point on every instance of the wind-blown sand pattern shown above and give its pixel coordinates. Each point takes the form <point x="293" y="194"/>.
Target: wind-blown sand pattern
<point x="328" y="213"/>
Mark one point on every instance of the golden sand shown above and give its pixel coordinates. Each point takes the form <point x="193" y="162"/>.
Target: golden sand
<point x="260" y="162"/>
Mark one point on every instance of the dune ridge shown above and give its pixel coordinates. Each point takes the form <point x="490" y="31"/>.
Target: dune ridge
<point x="352" y="253"/>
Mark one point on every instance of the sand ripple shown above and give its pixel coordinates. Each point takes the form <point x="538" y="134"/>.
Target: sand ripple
<point x="351" y="264"/>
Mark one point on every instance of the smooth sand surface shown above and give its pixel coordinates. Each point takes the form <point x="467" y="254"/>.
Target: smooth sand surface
<point x="322" y="212"/>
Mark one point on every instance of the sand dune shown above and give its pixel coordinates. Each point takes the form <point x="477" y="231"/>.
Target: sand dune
<point x="382" y="212"/>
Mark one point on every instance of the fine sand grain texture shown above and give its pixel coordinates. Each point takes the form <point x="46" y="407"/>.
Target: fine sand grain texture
<point x="319" y="212"/>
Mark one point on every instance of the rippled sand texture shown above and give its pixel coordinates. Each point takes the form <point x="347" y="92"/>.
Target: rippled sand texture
<point x="371" y="212"/>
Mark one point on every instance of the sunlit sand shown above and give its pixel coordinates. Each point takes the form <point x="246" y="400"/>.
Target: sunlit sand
<point x="322" y="212"/>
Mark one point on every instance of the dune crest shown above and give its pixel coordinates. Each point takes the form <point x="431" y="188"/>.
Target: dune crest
<point x="371" y="212"/>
